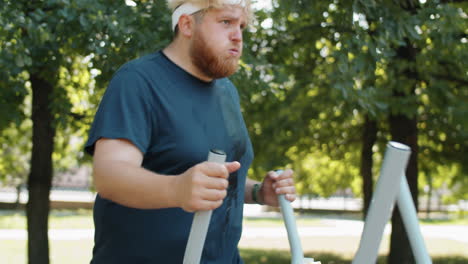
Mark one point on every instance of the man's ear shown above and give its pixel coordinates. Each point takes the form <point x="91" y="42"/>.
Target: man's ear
<point x="186" y="25"/>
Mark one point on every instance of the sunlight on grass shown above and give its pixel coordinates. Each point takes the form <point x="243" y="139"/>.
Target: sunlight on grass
<point x="256" y="256"/>
<point x="451" y="221"/>
<point x="58" y="219"/>
<point x="80" y="251"/>
<point x="70" y="252"/>
<point x="83" y="219"/>
<point x="254" y="250"/>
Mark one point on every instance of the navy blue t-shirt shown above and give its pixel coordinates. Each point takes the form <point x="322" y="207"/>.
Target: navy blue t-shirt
<point x="174" y="119"/>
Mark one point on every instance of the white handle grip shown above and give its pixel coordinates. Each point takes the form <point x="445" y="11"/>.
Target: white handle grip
<point x="201" y="222"/>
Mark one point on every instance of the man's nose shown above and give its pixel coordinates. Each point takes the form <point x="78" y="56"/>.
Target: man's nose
<point x="236" y="35"/>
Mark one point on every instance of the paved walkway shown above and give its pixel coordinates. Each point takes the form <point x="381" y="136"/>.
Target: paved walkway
<point x="325" y="228"/>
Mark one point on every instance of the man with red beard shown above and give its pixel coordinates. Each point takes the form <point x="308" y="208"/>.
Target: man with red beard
<point x="158" y="119"/>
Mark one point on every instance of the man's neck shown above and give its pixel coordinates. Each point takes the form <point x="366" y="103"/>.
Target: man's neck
<point x="178" y="53"/>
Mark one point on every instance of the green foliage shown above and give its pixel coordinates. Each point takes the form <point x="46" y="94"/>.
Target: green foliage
<point x="75" y="46"/>
<point x="313" y="70"/>
<point x="14" y="143"/>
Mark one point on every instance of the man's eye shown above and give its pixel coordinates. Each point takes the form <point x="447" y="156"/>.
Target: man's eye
<point x="226" y="22"/>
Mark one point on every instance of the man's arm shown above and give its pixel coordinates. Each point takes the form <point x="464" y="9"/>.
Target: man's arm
<point x="248" y="192"/>
<point x="119" y="177"/>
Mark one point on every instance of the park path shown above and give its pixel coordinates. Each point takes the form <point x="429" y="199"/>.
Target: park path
<point x="324" y="228"/>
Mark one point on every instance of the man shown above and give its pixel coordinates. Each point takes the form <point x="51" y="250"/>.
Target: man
<point x="158" y="119"/>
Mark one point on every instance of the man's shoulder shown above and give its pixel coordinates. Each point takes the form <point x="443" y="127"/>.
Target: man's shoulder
<point x="226" y="85"/>
<point x="145" y="64"/>
<point x="138" y="74"/>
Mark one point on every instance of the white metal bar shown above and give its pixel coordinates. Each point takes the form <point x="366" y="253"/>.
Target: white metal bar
<point x="385" y="195"/>
<point x="200" y="224"/>
<point x="297" y="255"/>
<point x="410" y="220"/>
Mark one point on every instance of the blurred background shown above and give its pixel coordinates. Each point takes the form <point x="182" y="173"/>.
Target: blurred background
<point x="324" y="86"/>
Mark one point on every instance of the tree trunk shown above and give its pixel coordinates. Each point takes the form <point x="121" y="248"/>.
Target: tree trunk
<point x="369" y="136"/>
<point x="40" y="177"/>
<point x="18" y="196"/>
<point x="404" y="130"/>
<point x="429" y="197"/>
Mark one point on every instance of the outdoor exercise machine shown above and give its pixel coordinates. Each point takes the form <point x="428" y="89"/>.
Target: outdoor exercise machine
<point x="391" y="188"/>
<point x="201" y="220"/>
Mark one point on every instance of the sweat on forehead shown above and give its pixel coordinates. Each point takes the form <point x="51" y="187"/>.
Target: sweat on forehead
<point x="181" y="7"/>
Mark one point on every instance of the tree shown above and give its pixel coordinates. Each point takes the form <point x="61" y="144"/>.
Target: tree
<point x="330" y="66"/>
<point x="14" y="164"/>
<point x="40" y="44"/>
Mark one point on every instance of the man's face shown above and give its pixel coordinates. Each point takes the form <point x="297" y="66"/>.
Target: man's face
<point x="216" y="44"/>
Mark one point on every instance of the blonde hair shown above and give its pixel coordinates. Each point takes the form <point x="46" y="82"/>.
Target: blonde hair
<point x="246" y="4"/>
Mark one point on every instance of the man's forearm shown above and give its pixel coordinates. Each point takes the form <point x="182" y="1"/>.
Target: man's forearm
<point x="249" y="184"/>
<point x="133" y="186"/>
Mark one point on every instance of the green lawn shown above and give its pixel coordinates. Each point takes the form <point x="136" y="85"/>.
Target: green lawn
<point x="59" y="219"/>
<point x="256" y="256"/>
<point x="83" y="219"/>
<point x="70" y="252"/>
<point x="79" y="252"/>
<point x="254" y="251"/>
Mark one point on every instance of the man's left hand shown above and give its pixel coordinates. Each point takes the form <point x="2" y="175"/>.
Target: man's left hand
<point x="275" y="184"/>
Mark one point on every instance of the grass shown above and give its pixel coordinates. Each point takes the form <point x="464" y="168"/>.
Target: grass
<point x="445" y="221"/>
<point x="256" y="256"/>
<point x="59" y="219"/>
<point x="83" y="219"/>
<point x="253" y="251"/>
<point x="70" y="252"/>
<point x="79" y="251"/>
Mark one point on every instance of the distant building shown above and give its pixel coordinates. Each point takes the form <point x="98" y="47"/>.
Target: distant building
<point x="77" y="178"/>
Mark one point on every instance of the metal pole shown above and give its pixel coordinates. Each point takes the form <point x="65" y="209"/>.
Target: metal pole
<point x="297" y="255"/>
<point x="380" y="209"/>
<point x="410" y="220"/>
<point x="201" y="222"/>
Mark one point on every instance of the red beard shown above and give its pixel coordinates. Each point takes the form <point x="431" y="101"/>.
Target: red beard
<point x="207" y="61"/>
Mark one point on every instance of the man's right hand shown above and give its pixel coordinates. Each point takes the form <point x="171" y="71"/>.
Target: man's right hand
<point x="203" y="186"/>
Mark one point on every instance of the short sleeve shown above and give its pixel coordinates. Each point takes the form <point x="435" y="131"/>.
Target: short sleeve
<point x="125" y="112"/>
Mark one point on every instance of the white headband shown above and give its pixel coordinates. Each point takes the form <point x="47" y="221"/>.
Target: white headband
<point x="189" y="8"/>
<point x="186" y="8"/>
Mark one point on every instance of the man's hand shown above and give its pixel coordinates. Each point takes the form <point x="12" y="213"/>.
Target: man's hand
<point x="275" y="184"/>
<point x="203" y="187"/>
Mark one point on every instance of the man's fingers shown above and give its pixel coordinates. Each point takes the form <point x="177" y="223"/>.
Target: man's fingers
<point x="216" y="183"/>
<point x="213" y="195"/>
<point x="285" y="175"/>
<point x="286" y="190"/>
<point x="210" y="205"/>
<point x="232" y="166"/>
<point x="273" y="175"/>
<point x="283" y="183"/>
<point x="213" y="169"/>
<point x="205" y="205"/>
<point x="290" y="197"/>
<point x="279" y="175"/>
